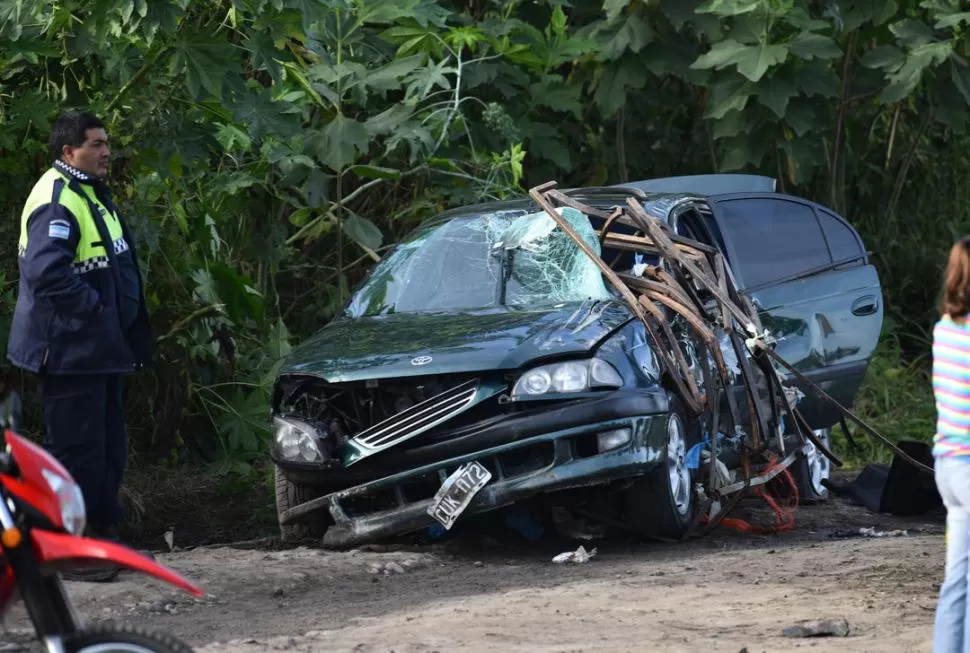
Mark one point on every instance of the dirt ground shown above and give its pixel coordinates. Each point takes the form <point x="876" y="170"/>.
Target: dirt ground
<point x="727" y="592"/>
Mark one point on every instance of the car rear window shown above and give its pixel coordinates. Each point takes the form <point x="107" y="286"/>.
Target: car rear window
<point x="773" y="239"/>
<point x="842" y="240"/>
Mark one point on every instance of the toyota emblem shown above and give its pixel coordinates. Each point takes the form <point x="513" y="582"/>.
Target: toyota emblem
<point x="420" y="360"/>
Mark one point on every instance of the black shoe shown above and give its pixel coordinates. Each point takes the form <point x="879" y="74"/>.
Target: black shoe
<point x="95" y="573"/>
<point x="111" y="535"/>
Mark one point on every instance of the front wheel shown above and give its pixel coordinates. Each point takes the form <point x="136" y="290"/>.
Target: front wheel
<point x="662" y="503"/>
<point x="123" y="639"/>
<point x="812" y="469"/>
<point x="290" y="495"/>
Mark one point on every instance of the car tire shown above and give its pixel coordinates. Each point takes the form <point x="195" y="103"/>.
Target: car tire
<point x="810" y="469"/>
<point x="288" y="495"/>
<point x="662" y="504"/>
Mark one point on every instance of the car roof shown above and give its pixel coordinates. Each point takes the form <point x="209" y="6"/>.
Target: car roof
<point x="659" y="194"/>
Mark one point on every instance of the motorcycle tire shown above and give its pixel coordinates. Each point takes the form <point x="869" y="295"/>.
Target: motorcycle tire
<point x="123" y="639"/>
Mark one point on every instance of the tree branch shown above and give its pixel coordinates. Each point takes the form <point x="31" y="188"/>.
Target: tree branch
<point x="907" y="162"/>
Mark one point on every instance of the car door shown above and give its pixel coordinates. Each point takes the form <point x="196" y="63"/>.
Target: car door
<point x="808" y="274"/>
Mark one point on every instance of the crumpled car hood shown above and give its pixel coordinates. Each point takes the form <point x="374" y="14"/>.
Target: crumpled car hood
<point x="418" y="344"/>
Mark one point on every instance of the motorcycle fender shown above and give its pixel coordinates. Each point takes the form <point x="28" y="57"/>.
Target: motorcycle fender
<point x="52" y="548"/>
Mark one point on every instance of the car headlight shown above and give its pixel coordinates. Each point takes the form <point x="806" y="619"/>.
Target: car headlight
<point x="70" y="499"/>
<point x="296" y="441"/>
<point x="567" y="377"/>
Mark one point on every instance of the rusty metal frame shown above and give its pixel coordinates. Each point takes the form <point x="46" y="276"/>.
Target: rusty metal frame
<point x="696" y="286"/>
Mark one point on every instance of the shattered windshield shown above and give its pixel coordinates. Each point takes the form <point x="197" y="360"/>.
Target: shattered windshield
<point x="509" y="258"/>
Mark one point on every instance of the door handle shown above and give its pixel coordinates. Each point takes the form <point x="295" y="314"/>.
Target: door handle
<point x="865" y="305"/>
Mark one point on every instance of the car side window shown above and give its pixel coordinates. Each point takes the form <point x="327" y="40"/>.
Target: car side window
<point x="686" y="226"/>
<point x="843" y="242"/>
<point x="773" y="239"/>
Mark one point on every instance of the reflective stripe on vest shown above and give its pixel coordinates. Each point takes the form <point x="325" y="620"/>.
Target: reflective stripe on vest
<point x="90" y="254"/>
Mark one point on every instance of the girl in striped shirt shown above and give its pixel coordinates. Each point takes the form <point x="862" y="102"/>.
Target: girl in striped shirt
<point x="951" y="448"/>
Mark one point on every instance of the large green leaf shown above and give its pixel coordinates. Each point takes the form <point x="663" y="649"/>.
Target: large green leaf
<point x="412" y="37"/>
<point x="264" y="55"/>
<point x="800" y="18"/>
<point x="802" y="156"/>
<point x="680" y="12"/>
<point x="741" y="151"/>
<point x="912" y="32"/>
<point x="553" y="92"/>
<point x="363" y="231"/>
<point x="755" y="61"/>
<point x="775" y="91"/>
<point x="613" y="8"/>
<point x="860" y="12"/>
<point x="809" y="46"/>
<point x="952" y="20"/>
<point x="424" y="12"/>
<point x="800" y="116"/>
<point x="264" y="116"/>
<point x="817" y="78"/>
<point x="960" y="75"/>
<point x="728" y="126"/>
<point x="723" y="53"/>
<point x="207" y="61"/>
<point x="616" y="80"/>
<point x="731" y="7"/>
<point x="244" y="420"/>
<point x="340" y="142"/>
<point x="219" y="283"/>
<point x="921" y="57"/>
<point x="376" y="172"/>
<point x="389" y="77"/>
<point x="730" y="93"/>
<point x="389" y="120"/>
<point x="883" y="56"/>
<point x="425" y="79"/>
<point x="230" y="137"/>
<point x="546" y="142"/>
<point x="632" y="34"/>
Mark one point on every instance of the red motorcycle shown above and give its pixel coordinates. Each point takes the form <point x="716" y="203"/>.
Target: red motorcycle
<point x="42" y="518"/>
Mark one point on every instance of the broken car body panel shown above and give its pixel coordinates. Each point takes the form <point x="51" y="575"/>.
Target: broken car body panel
<point x="417" y="344"/>
<point x="474" y="305"/>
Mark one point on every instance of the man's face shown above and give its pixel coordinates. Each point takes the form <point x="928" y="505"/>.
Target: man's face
<point x="92" y="156"/>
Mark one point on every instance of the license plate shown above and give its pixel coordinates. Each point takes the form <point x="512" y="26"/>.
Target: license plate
<point x="457" y="491"/>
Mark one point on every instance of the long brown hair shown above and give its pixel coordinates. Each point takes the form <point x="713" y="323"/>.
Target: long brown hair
<point x="956" y="286"/>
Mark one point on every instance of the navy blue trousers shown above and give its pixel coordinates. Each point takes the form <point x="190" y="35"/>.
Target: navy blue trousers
<point x="85" y="430"/>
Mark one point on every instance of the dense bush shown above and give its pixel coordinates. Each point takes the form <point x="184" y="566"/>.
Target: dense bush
<point x="267" y="151"/>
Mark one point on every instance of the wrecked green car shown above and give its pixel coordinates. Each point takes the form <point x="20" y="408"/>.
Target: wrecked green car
<point x="485" y="362"/>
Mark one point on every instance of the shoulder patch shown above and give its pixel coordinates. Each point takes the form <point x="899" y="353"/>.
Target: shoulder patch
<point x="59" y="229"/>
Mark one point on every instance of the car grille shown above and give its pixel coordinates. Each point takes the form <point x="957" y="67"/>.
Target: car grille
<point x="419" y="417"/>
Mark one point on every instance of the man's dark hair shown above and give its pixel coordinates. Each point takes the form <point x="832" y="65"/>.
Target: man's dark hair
<point x="70" y="128"/>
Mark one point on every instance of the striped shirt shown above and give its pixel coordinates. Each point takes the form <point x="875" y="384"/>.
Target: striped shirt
<point x="951" y="387"/>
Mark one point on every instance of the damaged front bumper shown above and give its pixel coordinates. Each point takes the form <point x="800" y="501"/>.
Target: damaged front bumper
<point x="521" y="467"/>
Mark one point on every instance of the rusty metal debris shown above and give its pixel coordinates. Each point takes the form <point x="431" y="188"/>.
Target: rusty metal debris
<point x="693" y="282"/>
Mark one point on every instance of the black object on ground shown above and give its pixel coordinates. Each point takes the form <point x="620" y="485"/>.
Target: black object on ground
<point x="896" y="489"/>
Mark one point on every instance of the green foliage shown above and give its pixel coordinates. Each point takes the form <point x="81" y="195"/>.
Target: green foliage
<point x="896" y="399"/>
<point x="268" y="151"/>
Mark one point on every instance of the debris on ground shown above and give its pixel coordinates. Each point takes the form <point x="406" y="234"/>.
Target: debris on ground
<point x="818" y="628"/>
<point x="578" y="556"/>
<point x="870" y="531"/>
<point x="386" y="568"/>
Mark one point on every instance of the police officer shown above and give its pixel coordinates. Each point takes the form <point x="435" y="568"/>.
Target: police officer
<point x="81" y="322"/>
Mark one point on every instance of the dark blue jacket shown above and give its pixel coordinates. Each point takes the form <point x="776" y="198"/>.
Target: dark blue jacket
<point x="74" y="247"/>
